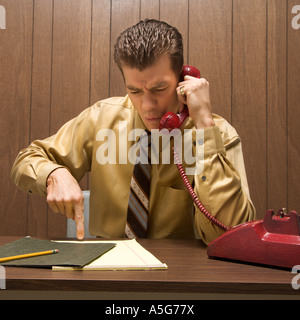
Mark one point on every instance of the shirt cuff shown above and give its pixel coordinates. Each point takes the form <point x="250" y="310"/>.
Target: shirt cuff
<point x="43" y="175"/>
<point x="208" y="142"/>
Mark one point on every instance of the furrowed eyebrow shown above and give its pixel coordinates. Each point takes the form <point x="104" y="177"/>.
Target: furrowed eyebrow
<point x="133" y="88"/>
<point x="157" y="85"/>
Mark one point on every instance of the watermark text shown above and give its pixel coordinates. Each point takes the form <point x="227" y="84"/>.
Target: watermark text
<point x="295" y="281"/>
<point x="2" y="278"/>
<point x="2" y="17"/>
<point x="122" y="147"/>
<point x="296" y="18"/>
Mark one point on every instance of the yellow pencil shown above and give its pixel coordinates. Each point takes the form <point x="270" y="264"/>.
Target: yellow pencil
<point x="28" y="255"/>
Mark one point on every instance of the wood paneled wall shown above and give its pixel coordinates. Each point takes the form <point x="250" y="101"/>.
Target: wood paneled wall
<point x="56" y="60"/>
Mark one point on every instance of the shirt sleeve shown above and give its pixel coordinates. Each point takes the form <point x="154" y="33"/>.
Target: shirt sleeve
<point x="222" y="185"/>
<point x="65" y="149"/>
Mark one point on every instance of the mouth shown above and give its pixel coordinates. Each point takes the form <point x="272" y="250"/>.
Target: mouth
<point x="152" y="119"/>
<point x="152" y="122"/>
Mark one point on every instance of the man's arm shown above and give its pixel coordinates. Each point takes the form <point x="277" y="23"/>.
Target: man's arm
<point x="53" y="167"/>
<point x="222" y="186"/>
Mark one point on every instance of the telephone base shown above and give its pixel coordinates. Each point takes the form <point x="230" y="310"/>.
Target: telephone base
<point x="273" y="241"/>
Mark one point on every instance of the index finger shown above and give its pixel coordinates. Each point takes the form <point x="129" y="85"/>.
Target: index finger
<point x="79" y="219"/>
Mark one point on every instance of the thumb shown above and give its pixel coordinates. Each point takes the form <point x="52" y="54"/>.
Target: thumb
<point x="79" y="219"/>
<point x="181" y="106"/>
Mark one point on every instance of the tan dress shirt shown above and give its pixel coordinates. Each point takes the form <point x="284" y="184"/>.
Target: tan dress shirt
<point x="80" y="144"/>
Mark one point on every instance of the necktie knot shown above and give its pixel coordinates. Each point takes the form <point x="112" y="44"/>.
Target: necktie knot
<point x="143" y="154"/>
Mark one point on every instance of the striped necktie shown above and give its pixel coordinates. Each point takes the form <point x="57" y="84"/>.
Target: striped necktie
<point x="138" y="205"/>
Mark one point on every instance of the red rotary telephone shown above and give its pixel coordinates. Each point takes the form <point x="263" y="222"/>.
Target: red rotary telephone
<point x="172" y="120"/>
<point x="272" y="241"/>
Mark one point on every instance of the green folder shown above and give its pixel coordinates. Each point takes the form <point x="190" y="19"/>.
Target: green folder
<point x="70" y="254"/>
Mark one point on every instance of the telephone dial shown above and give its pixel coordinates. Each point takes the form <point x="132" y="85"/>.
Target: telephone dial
<point x="272" y="241"/>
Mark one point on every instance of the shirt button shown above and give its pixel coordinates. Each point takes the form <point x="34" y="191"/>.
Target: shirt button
<point x="200" y="142"/>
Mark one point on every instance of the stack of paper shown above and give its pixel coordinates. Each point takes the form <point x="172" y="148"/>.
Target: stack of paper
<point x="126" y="255"/>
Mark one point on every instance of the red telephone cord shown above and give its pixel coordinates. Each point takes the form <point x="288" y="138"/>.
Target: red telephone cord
<point x="193" y="194"/>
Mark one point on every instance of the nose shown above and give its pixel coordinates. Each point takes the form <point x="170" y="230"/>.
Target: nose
<point x="148" y="102"/>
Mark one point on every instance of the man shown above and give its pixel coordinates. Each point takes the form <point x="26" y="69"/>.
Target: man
<point x="150" y="57"/>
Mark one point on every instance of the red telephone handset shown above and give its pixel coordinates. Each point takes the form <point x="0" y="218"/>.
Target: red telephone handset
<point x="172" y="120"/>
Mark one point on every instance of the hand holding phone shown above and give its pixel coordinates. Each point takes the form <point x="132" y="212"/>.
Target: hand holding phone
<point x="197" y="98"/>
<point x="193" y="93"/>
<point x="171" y="120"/>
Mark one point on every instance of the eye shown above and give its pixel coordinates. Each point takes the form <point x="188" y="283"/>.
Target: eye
<point x="134" y="91"/>
<point x="160" y="89"/>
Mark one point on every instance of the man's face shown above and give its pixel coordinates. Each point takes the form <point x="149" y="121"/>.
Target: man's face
<point x="152" y="91"/>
